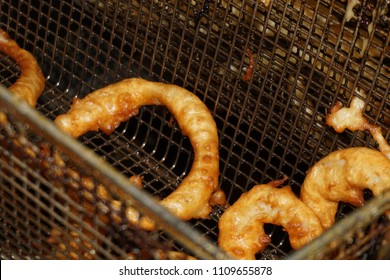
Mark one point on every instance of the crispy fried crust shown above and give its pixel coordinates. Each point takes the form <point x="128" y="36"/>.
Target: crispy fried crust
<point x="241" y="232"/>
<point x="342" y="176"/>
<point x="31" y="82"/>
<point x="352" y="118"/>
<point x="106" y="108"/>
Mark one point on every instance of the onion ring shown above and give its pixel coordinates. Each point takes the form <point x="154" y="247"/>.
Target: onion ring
<point x="241" y="232"/>
<point x="30" y="84"/>
<point x="106" y="108"/>
<point x="343" y="175"/>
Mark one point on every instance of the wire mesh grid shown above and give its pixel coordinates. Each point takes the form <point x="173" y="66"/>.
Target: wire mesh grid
<point x="364" y="235"/>
<point x="48" y="210"/>
<point x="61" y="201"/>
<point x="305" y="55"/>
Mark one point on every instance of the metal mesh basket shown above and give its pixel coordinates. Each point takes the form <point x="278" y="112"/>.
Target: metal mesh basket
<point x="306" y="56"/>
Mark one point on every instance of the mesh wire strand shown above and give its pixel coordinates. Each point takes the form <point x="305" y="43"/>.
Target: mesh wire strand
<point x="307" y="56"/>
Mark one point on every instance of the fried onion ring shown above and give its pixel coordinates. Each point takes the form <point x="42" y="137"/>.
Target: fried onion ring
<point x="241" y="232"/>
<point x="343" y="175"/>
<point x="30" y="84"/>
<point x="106" y="108"/>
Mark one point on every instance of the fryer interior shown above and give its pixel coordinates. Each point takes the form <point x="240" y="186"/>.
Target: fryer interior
<point x="307" y="55"/>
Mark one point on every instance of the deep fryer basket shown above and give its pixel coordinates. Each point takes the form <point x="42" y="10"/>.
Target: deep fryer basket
<point x="306" y="55"/>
